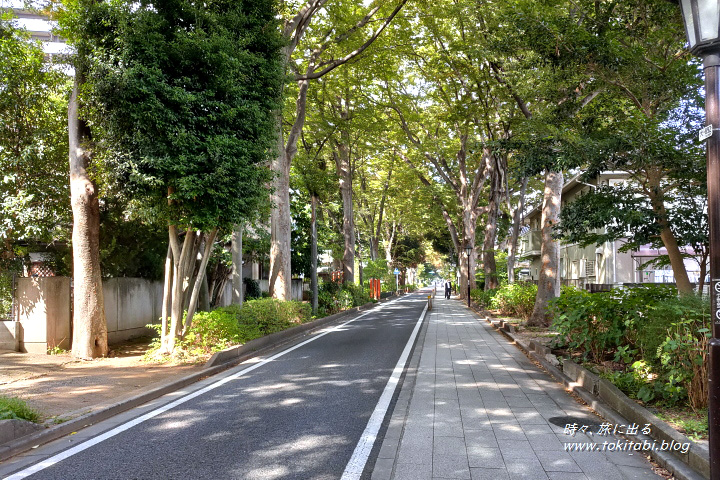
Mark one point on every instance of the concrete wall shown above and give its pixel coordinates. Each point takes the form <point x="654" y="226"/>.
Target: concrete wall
<point x="43" y="313"/>
<point x="130" y="304"/>
<point x="9" y="335"/>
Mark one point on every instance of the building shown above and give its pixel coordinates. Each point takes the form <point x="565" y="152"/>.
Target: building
<point x="605" y="265"/>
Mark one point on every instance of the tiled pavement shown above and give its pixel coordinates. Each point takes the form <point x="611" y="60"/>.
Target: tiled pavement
<point x="479" y="409"/>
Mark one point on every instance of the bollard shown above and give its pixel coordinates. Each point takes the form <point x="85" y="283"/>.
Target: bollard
<point x="429" y="302"/>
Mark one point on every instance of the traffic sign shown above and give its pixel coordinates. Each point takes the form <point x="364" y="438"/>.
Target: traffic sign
<point x="396" y="272"/>
<point x="705" y="132"/>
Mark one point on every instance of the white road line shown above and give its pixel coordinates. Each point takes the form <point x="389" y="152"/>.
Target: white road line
<point x="125" y="426"/>
<point x="359" y="458"/>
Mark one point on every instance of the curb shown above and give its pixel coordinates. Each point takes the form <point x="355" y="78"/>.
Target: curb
<point x="235" y="357"/>
<point x="610" y="403"/>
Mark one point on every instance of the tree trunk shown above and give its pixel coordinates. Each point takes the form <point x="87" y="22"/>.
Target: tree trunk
<point x="167" y="293"/>
<point x="237" y="269"/>
<point x="313" y="255"/>
<point x="489" y="266"/>
<point x="549" y="280"/>
<point x="515" y="233"/>
<point x="677" y="262"/>
<point x="192" y="306"/>
<point x="280" y="270"/>
<point x="89" y="324"/>
<point x="342" y="161"/>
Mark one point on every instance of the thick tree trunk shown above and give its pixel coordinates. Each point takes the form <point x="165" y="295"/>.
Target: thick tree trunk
<point x="549" y="279"/>
<point x="515" y="232"/>
<point x="89" y="324"/>
<point x="313" y="254"/>
<point x="677" y="262"/>
<point x="342" y="160"/>
<point x="237" y="269"/>
<point x="489" y="266"/>
<point x="280" y="269"/>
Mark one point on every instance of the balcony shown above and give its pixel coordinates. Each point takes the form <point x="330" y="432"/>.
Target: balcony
<point x="529" y="244"/>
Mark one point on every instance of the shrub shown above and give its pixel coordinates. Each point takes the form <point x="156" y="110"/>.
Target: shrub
<point x="233" y="325"/>
<point x="270" y="315"/>
<point x="12" y="408"/>
<point x="517" y="299"/>
<point x="212" y="332"/>
<point x="598" y="323"/>
<point x="252" y="288"/>
<point x="334" y="297"/>
<point x="683" y="352"/>
<point x="483" y="297"/>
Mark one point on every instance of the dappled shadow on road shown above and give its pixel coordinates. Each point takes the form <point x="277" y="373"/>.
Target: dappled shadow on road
<point x="299" y="416"/>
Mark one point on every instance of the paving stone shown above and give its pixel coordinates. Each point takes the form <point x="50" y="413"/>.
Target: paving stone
<point x="566" y="476"/>
<point x="449" y="446"/>
<point x="485" y="457"/>
<point x="553" y="461"/>
<point x="451" y="466"/>
<point x="544" y="441"/>
<point x="412" y="471"/>
<point x="489" y="474"/>
<point x="480" y="410"/>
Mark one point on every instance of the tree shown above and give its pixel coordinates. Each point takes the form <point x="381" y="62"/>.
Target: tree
<point x="185" y="125"/>
<point x="34" y="190"/>
<point x="322" y="53"/>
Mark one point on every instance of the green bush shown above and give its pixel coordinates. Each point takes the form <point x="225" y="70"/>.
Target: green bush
<point x="334" y="297"/>
<point x="683" y="352"/>
<point x="212" y="332"/>
<point x="596" y="324"/>
<point x="12" y="408"/>
<point x="516" y="300"/>
<point x="483" y="297"/>
<point x="252" y="288"/>
<point x="660" y="337"/>
<point x="234" y="325"/>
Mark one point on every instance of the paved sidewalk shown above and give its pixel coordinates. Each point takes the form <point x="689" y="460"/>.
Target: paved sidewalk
<point x="479" y="409"/>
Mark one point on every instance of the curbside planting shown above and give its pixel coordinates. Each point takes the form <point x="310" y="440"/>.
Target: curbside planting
<point x="613" y="405"/>
<point x="217" y="363"/>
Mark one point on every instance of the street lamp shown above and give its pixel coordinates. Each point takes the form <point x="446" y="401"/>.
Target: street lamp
<point x="702" y="25"/>
<point x="468" y="251"/>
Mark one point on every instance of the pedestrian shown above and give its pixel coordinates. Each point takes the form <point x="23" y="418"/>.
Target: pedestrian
<point x="448" y="287"/>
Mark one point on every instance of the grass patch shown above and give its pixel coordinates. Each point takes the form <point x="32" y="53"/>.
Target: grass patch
<point x="693" y="424"/>
<point x="12" y="408"/>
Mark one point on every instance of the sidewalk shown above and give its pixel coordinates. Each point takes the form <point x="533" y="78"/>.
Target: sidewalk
<point x="479" y="409"/>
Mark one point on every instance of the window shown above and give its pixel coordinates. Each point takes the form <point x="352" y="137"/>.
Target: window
<point x="590" y="268"/>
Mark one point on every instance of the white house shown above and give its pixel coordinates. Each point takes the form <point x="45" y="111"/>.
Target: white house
<point x="602" y="265"/>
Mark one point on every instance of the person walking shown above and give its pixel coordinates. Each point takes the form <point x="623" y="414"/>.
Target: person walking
<point x="448" y="287"/>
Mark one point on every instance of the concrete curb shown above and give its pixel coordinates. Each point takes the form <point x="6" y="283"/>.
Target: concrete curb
<point x="22" y="444"/>
<point x="609" y="402"/>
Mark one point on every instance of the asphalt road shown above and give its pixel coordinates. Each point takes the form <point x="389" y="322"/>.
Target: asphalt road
<point x="297" y="417"/>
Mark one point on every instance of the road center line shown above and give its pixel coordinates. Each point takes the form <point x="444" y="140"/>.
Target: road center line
<point x="356" y="465"/>
<point x="125" y="426"/>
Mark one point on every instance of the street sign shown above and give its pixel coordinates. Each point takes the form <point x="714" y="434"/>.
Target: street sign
<point x="705" y="132"/>
<point x="396" y="272"/>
